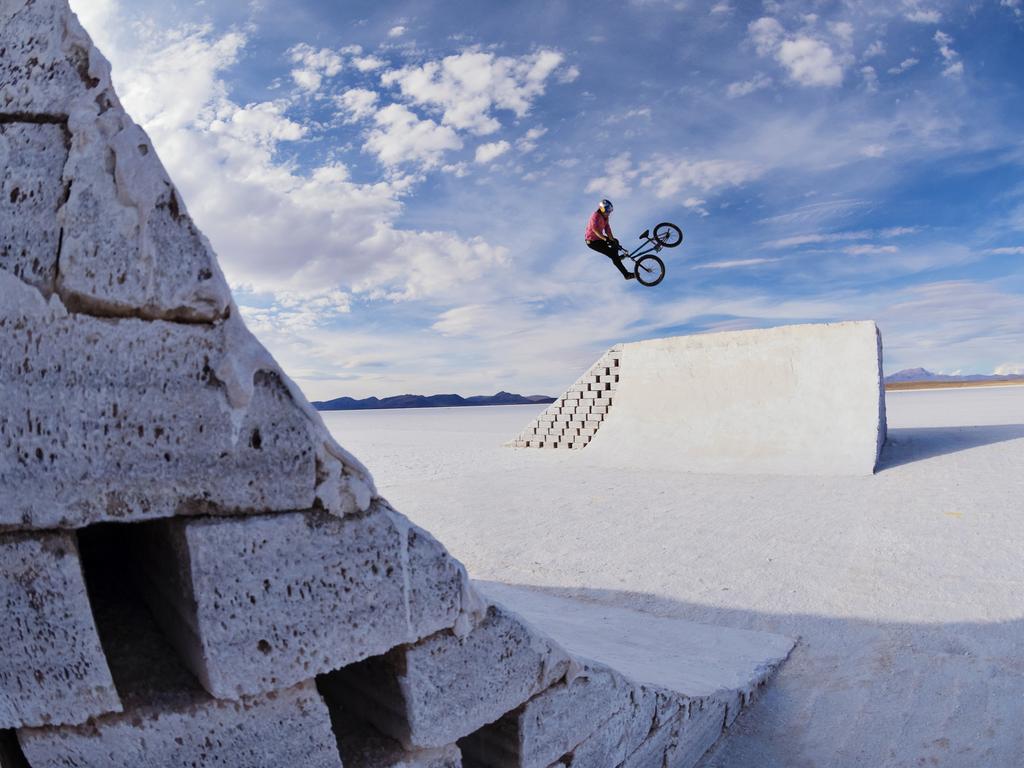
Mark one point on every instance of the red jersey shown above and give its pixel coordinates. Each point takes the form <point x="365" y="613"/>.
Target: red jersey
<point x="598" y="225"/>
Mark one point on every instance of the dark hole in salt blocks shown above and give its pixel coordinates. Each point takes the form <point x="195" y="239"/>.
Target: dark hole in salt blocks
<point x="10" y="751"/>
<point x="363" y="746"/>
<point x="145" y="668"/>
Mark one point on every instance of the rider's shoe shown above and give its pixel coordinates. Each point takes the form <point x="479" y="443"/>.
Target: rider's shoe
<point x="630" y="277"/>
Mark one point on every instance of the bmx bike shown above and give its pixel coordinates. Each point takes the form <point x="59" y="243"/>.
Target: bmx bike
<point x="648" y="268"/>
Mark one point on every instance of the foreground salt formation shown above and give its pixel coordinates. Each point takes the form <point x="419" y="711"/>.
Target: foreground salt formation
<point x="193" y="572"/>
<point x="799" y="399"/>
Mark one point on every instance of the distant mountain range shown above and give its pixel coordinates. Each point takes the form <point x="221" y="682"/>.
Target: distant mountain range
<point x="922" y="374"/>
<point x="428" y="401"/>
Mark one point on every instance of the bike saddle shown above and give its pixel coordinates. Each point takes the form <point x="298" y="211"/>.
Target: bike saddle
<point x="645" y="234"/>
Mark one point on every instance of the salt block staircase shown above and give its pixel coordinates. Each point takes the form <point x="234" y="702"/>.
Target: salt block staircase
<point x="192" y="571"/>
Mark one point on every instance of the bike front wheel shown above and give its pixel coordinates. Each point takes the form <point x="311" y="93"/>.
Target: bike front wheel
<point x="668" y="234"/>
<point x="650" y="270"/>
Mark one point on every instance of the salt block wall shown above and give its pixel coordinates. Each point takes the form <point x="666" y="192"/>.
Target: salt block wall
<point x="802" y="399"/>
<point x="192" y="571"/>
<point x="574" y="418"/>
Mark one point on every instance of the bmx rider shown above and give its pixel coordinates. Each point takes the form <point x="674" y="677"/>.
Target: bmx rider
<point x="599" y="237"/>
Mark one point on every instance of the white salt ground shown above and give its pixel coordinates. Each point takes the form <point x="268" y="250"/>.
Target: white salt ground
<point x="906" y="589"/>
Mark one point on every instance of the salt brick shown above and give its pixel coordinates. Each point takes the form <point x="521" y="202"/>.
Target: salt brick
<point x="52" y="668"/>
<point x="553" y="723"/>
<point x="129" y="420"/>
<point x="289" y="728"/>
<point x="259" y="603"/>
<point x="445" y="687"/>
<point x="41" y="70"/>
<point x="31" y="190"/>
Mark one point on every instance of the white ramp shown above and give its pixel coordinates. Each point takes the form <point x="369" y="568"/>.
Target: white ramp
<point x="799" y="399"/>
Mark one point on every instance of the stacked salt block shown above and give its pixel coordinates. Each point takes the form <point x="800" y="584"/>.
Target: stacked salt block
<point x="193" y="572"/>
<point x="573" y="419"/>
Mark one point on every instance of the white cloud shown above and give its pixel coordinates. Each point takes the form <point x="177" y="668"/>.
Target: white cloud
<point x="954" y="67"/>
<point x="766" y="34"/>
<point x="1011" y="251"/>
<point x="402" y="137"/>
<point x="877" y="48"/>
<point x="914" y="11"/>
<point x="874" y="150"/>
<point x="870" y="250"/>
<point x="485" y="153"/>
<point x="1017" y="6"/>
<point x="315" y="234"/>
<point x="528" y="141"/>
<point x="367" y="63"/>
<point x="721" y="8"/>
<point x="396" y="31"/>
<point x="742" y="88"/>
<point x="313" y="66"/>
<point x="733" y="264"/>
<point x="838" y="237"/>
<point x="467" y="87"/>
<point x="870" y="79"/>
<point x="668" y="176"/>
<point x="567" y="74"/>
<point x="696" y="205"/>
<point x="359" y="103"/>
<point x="843" y="32"/>
<point x="808" y="60"/>
<point x="1009" y="369"/>
<point x="903" y="66"/>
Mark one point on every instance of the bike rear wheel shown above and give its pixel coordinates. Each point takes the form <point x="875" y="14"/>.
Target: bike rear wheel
<point x="668" y="234"/>
<point x="650" y="270"/>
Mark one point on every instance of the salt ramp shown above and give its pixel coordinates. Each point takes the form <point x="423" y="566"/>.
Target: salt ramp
<point x="798" y="399"/>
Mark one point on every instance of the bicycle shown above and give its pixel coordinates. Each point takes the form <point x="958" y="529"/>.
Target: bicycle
<point x="648" y="269"/>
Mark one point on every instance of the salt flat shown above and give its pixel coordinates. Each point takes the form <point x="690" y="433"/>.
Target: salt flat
<point x="906" y="588"/>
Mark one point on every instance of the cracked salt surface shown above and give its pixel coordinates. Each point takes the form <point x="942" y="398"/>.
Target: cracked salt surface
<point x="904" y="588"/>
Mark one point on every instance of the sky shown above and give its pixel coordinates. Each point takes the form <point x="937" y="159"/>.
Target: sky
<point x="397" y="190"/>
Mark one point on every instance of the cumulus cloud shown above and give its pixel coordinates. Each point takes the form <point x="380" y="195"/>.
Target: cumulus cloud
<point x="358" y="103"/>
<point x="528" y="141"/>
<point x="745" y="87"/>
<point x="953" y="66"/>
<point x="668" y="176"/>
<point x="317" y="233"/>
<point x="1009" y="369"/>
<point x="903" y="66"/>
<point x="402" y="137"/>
<point x="809" y="61"/>
<point x="920" y="13"/>
<point x="567" y="74"/>
<point x="877" y="48"/>
<point x="870" y="79"/>
<point x="367" y="63"/>
<point x="313" y="65"/>
<point x="485" y="153"/>
<point x="1017" y="6"/>
<point x="396" y="31"/>
<point x="468" y="87"/>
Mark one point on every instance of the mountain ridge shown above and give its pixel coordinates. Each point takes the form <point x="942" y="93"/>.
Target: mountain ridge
<point x="923" y="374"/>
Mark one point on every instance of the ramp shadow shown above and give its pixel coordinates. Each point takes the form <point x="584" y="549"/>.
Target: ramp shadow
<point x="859" y="692"/>
<point x="907" y="445"/>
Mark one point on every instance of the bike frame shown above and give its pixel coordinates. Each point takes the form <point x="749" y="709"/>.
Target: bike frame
<point x="651" y="245"/>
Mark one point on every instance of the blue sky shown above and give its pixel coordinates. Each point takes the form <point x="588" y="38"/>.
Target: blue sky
<point x="397" y="190"/>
